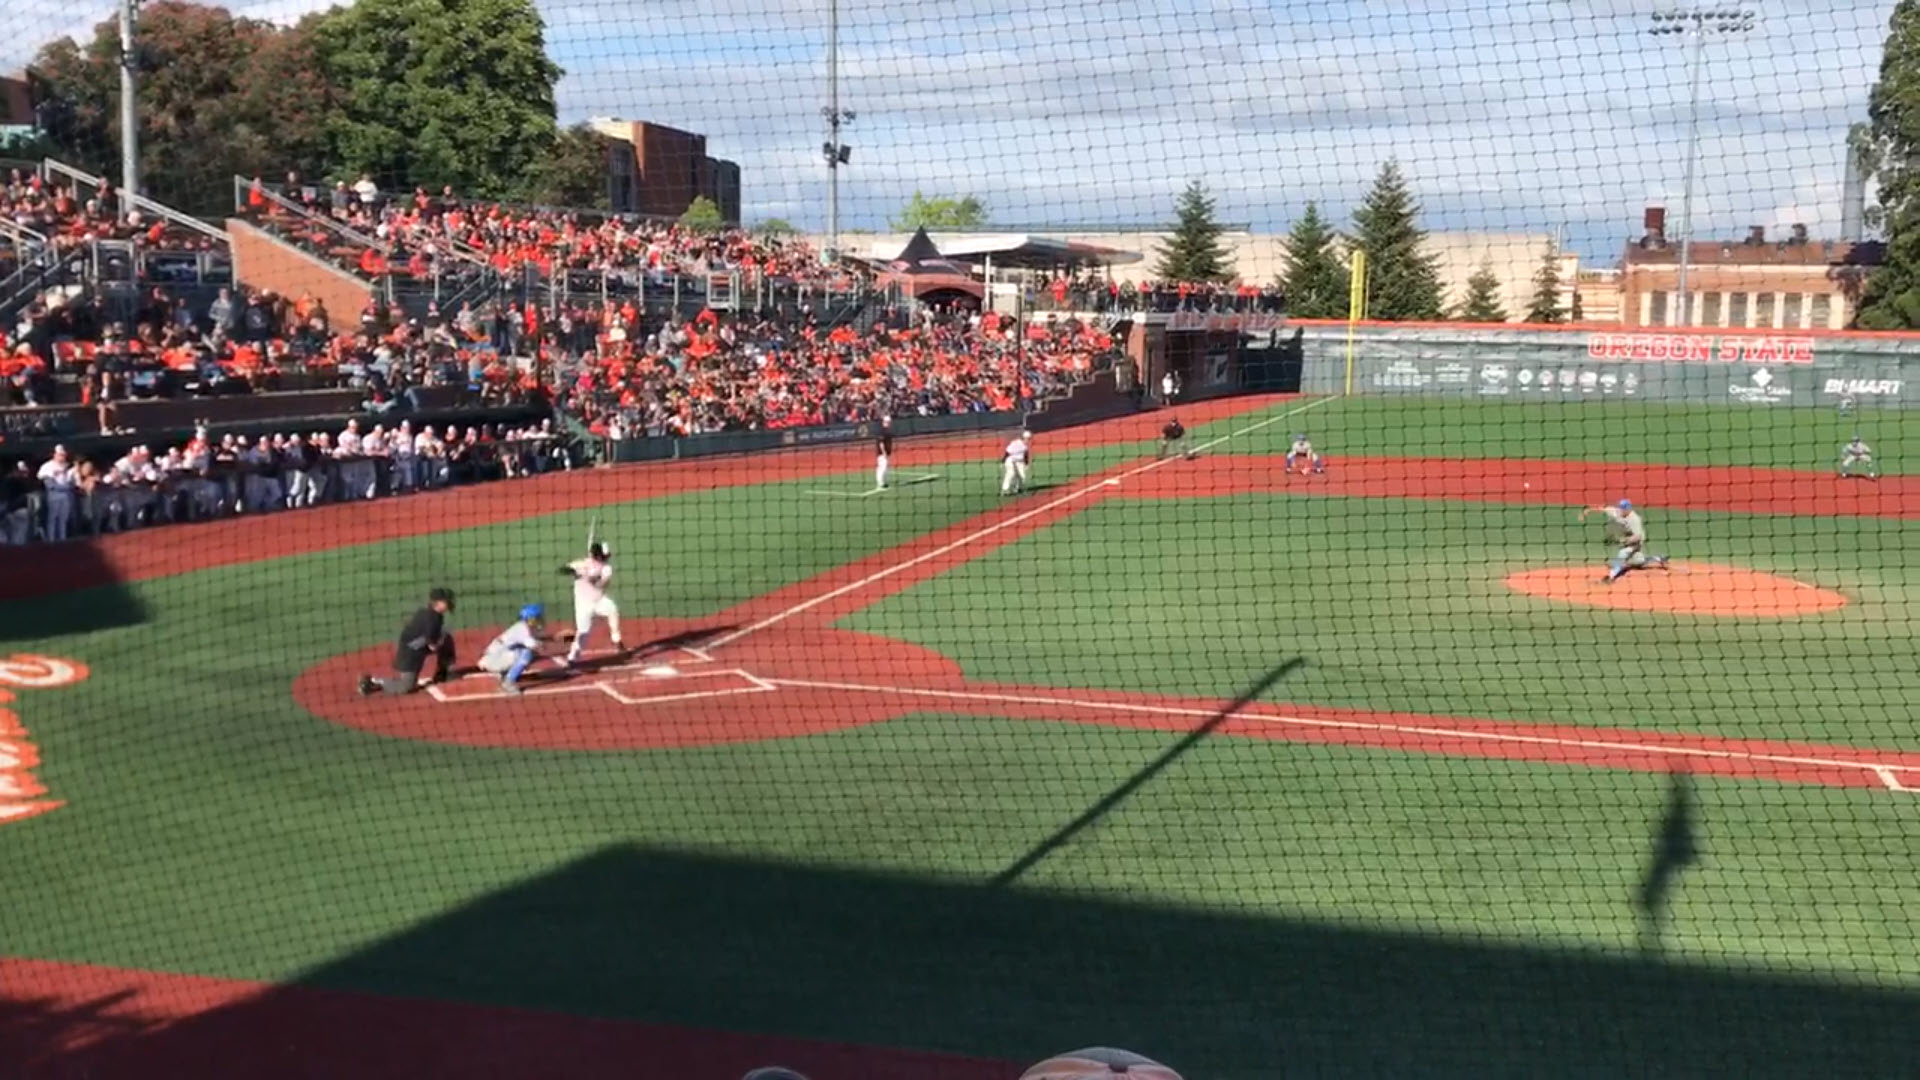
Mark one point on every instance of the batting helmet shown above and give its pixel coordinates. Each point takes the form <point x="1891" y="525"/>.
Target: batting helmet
<point x="532" y="612"/>
<point x="598" y="551"/>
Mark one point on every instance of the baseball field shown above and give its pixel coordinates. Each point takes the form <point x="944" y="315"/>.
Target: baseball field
<point x="1261" y="774"/>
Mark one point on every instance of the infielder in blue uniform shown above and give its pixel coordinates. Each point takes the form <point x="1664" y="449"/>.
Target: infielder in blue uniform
<point x="1625" y="527"/>
<point x="1857" y="454"/>
<point x="514" y="651"/>
<point x="1302" y="450"/>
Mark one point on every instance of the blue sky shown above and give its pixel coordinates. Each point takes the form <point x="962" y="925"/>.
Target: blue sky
<point x="1508" y="115"/>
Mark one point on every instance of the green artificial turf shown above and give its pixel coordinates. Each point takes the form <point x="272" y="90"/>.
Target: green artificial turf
<point x="1615" y="431"/>
<point x="1401" y="605"/>
<point x="1339" y="910"/>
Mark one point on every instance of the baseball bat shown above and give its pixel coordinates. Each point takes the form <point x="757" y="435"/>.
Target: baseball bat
<point x="593" y="530"/>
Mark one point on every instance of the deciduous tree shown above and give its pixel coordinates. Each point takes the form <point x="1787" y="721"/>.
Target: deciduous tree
<point x="218" y="96"/>
<point x="1891" y="146"/>
<point x="437" y="92"/>
<point x="573" y="170"/>
<point x="703" y="214"/>
<point x="964" y="212"/>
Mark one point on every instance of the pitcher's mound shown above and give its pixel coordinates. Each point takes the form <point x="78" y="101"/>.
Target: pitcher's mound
<point x="1687" y="589"/>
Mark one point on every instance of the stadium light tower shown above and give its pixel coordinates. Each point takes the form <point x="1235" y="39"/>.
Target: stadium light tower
<point x="836" y="152"/>
<point x="129" y="110"/>
<point x="1697" y="25"/>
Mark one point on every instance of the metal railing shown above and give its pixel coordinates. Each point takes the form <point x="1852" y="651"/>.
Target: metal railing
<point x="51" y="168"/>
<point x="36" y="261"/>
<point x="471" y="277"/>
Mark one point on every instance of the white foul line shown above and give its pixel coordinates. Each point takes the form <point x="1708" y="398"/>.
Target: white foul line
<point x="1071" y="496"/>
<point x="1888" y="775"/>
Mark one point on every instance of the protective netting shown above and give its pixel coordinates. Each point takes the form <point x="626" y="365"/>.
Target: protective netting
<point x="894" y="541"/>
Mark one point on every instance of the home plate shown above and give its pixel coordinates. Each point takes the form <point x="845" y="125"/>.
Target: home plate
<point x="660" y="671"/>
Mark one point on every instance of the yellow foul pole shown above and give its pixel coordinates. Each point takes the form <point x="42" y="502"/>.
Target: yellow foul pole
<point x="1356" y="306"/>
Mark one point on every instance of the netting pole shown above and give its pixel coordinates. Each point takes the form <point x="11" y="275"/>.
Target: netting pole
<point x="129" y="113"/>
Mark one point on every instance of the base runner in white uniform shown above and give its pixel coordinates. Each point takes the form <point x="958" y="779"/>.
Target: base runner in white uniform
<point x="1018" y="458"/>
<point x="590" y="600"/>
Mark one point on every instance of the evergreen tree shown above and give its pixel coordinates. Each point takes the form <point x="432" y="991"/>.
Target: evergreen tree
<point x="1891" y="300"/>
<point x="1316" y="279"/>
<point x="1403" y="278"/>
<point x="1194" y="251"/>
<point x="1545" y="306"/>
<point x="1482" y="302"/>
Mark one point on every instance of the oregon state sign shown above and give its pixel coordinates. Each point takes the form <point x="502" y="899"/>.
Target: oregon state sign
<point x="21" y="794"/>
<point x="1701" y="348"/>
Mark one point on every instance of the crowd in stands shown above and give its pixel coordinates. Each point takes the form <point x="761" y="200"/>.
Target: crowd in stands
<point x="422" y="234"/>
<point x="60" y="212"/>
<point x="205" y="478"/>
<point x="708" y="376"/>
<point x="1089" y="293"/>
<point x="246" y="339"/>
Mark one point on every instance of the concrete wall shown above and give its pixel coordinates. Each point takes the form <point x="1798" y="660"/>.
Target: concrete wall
<point x="262" y="261"/>
<point x="1606" y="364"/>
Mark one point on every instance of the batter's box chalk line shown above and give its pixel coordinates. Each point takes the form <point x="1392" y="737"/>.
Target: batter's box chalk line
<point x="481" y="686"/>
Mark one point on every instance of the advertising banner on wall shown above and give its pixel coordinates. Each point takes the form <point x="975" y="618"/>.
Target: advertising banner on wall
<point x="1535" y="364"/>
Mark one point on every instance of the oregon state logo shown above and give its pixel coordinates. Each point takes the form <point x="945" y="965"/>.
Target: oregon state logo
<point x="21" y="794"/>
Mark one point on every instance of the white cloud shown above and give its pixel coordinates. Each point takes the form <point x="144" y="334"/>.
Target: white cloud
<point x="1514" y="115"/>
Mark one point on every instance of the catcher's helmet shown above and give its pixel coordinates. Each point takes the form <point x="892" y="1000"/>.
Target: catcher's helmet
<point x="532" y="612"/>
<point x="598" y="551"/>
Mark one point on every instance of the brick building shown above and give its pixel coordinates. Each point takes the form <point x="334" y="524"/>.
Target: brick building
<point x="656" y="170"/>
<point x="1795" y="283"/>
<point x="16" y="103"/>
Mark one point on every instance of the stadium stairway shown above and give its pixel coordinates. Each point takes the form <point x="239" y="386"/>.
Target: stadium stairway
<point x="265" y="261"/>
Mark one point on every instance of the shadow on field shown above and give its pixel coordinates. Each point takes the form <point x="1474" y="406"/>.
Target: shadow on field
<point x="848" y="957"/>
<point x="1107" y="803"/>
<point x="37" y="598"/>
<point x="1675" y="847"/>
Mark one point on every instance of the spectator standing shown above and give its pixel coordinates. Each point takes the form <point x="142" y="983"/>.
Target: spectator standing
<point x="60" y="481"/>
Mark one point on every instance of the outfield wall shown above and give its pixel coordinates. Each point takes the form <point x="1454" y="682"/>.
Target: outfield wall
<point x="1604" y="364"/>
<point x="742" y="442"/>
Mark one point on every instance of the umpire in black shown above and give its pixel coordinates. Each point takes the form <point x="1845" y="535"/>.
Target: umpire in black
<point x="424" y="637"/>
<point x="1173" y="439"/>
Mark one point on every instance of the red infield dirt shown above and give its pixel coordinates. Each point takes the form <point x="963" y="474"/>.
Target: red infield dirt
<point x="1567" y="483"/>
<point x="181" y="549"/>
<point x="802" y="678"/>
<point x="82" y="1022"/>
<point x="1687" y="589"/>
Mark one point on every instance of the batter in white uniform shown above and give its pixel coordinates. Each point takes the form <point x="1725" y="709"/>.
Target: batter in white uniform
<point x="590" y="600"/>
